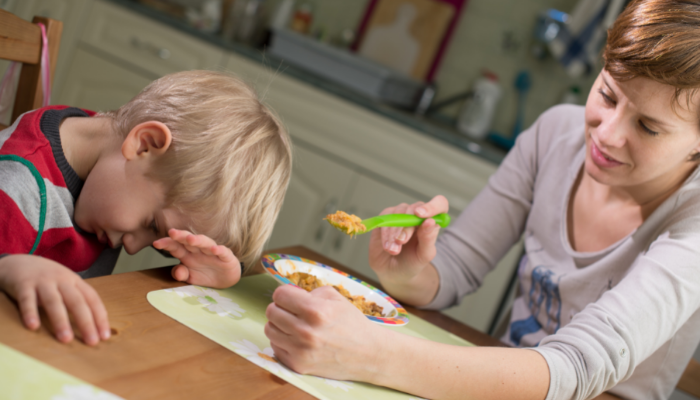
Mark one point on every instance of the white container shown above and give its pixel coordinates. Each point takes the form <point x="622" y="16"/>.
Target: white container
<point x="477" y="114"/>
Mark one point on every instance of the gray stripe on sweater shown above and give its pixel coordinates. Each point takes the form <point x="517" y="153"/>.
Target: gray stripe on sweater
<point x="17" y="181"/>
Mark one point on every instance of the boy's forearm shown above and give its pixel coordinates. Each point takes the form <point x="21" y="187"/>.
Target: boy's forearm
<point x="438" y="371"/>
<point x="418" y="291"/>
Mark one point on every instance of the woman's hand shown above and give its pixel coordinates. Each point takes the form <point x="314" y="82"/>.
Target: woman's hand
<point x="202" y="261"/>
<point x="400" y="256"/>
<point x="35" y="281"/>
<point x="322" y="333"/>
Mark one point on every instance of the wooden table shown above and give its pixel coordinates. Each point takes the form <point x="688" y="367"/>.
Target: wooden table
<point x="151" y="356"/>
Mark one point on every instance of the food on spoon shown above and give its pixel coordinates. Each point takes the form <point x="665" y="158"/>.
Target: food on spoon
<point x="310" y="282"/>
<point x="348" y="223"/>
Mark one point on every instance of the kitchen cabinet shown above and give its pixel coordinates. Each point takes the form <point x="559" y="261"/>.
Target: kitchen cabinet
<point x="98" y="84"/>
<point x="316" y="189"/>
<point x="147" y="46"/>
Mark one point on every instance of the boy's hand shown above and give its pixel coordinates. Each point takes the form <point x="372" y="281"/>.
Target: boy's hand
<point x="35" y="281"/>
<point x="202" y="261"/>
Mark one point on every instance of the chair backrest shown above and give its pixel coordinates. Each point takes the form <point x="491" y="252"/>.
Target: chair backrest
<point x="21" y="41"/>
<point x="690" y="380"/>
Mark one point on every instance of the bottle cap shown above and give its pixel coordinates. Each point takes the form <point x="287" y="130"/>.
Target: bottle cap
<point x="490" y="75"/>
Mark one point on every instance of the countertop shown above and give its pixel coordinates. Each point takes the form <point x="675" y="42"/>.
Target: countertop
<point x="426" y="125"/>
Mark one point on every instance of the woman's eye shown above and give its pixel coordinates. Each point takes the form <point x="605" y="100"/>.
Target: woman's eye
<point x="606" y="98"/>
<point x="647" y="130"/>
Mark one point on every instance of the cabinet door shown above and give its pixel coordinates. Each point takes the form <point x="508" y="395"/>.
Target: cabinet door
<point x="316" y="189"/>
<point x="368" y="198"/>
<point x="99" y="85"/>
<point x="146" y="44"/>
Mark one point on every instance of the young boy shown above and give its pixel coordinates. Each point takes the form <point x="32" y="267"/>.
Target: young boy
<point x="194" y="152"/>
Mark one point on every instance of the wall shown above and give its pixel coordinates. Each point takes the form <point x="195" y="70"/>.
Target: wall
<point x="481" y="41"/>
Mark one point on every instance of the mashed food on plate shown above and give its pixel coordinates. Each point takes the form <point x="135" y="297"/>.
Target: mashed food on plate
<point x="309" y="282"/>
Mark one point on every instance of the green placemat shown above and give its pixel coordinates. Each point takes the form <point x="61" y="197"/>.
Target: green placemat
<point x="235" y="318"/>
<point x="23" y="377"/>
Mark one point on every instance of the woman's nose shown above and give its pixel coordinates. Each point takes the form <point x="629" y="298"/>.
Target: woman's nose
<point x="611" y="132"/>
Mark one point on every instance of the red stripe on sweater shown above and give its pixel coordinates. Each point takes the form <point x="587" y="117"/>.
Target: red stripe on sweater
<point x="14" y="228"/>
<point x="33" y="146"/>
<point x="64" y="245"/>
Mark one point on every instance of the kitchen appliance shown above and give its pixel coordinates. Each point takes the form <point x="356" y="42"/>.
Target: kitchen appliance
<point x="362" y="75"/>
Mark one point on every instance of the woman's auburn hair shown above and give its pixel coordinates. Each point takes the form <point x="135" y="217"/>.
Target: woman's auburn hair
<point x="230" y="160"/>
<point x="658" y="40"/>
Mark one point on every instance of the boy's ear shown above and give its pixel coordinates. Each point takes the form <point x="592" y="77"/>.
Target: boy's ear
<point x="150" y="138"/>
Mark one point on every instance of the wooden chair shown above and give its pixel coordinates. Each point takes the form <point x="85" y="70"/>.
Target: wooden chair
<point x="20" y="41"/>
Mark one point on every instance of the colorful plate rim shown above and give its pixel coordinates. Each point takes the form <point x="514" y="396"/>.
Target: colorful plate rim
<point x="401" y="318"/>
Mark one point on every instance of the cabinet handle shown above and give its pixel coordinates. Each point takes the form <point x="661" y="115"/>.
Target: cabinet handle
<point x="163" y="53"/>
<point x="160" y="52"/>
<point x="329" y="208"/>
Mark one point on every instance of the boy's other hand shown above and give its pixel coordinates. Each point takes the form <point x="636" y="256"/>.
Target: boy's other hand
<point x="202" y="261"/>
<point x="35" y="281"/>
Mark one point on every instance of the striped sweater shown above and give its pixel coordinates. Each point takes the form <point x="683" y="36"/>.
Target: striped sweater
<point x="38" y="191"/>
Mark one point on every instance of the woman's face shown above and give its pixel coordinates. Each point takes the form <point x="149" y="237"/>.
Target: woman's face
<point x="634" y="138"/>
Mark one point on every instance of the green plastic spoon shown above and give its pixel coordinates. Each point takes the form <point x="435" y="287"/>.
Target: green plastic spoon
<point x="392" y="220"/>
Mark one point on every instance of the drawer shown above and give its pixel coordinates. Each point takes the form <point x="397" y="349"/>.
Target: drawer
<point x="145" y="43"/>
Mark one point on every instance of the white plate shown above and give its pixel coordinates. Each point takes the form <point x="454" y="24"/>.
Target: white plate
<point x="279" y="265"/>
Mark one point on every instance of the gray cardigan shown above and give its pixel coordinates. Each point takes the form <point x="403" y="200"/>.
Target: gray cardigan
<point x="625" y="319"/>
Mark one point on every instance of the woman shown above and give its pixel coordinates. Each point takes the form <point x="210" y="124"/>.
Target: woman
<point x="608" y="200"/>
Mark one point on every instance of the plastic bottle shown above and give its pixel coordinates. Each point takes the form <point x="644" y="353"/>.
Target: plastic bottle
<point x="282" y="15"/>
<point x="477" y="114"/>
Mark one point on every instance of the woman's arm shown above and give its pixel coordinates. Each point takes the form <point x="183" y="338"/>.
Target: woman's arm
<point x="321" y="333"/>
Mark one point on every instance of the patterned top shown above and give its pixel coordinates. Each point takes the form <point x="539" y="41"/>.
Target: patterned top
<point x="625" y="319"/>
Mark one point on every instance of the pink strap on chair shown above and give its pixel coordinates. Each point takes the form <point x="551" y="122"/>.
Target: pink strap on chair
<point x="7" y="77"/>
<point x="45" y="66"/>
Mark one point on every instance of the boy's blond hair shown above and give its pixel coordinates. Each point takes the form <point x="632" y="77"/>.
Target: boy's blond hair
<point x="230" y="160"/>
